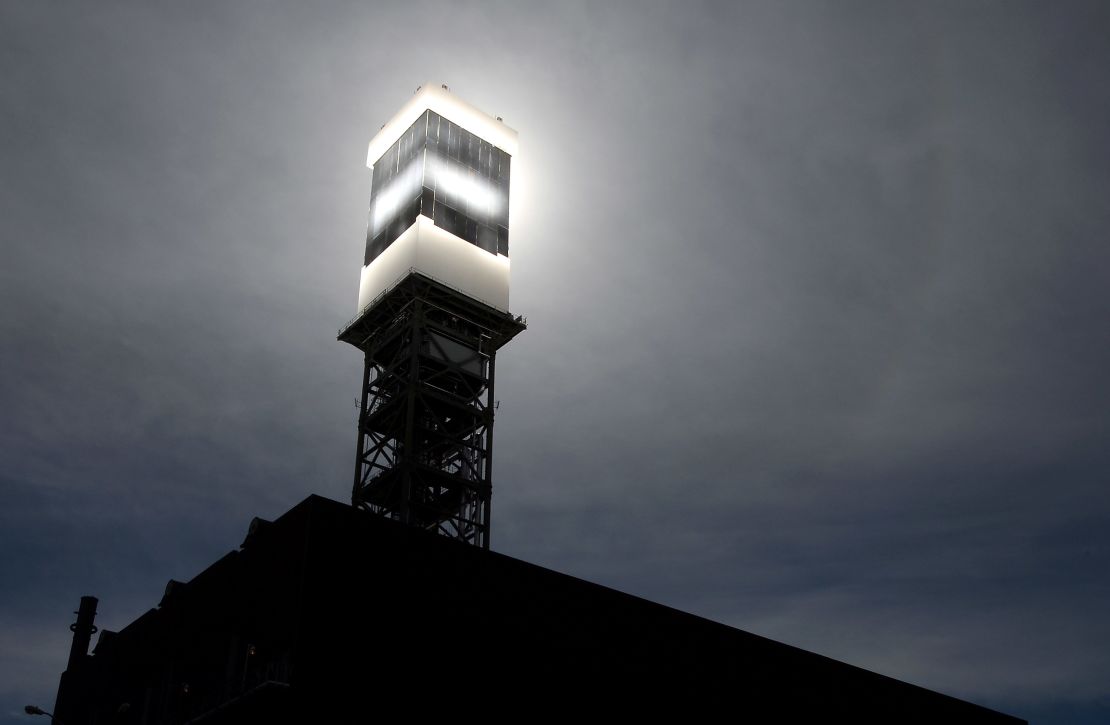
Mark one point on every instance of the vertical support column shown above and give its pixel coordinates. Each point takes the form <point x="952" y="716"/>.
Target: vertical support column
<point x="363" y="412"/>
<point x="491" y="407"/>
<point x="408" y="453"/>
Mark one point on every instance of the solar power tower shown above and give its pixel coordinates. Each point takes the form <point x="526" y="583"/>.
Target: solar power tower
<point x="433" y="307"/>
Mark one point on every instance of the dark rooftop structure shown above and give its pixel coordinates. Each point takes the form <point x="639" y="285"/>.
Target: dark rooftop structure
<point x="297" y="627"/>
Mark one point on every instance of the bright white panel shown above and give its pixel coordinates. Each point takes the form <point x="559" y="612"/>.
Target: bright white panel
<point x="456" y="110"/>
<point x="459" y="264"/>
<point x="427" y="249"/>
<point x="389" y="267"/>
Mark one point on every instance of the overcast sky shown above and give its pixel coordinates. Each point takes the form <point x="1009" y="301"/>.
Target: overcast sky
<point x="818" y="300"/>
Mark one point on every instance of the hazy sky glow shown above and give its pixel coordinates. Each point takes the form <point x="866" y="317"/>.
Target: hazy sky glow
<point x="817" y="298"/>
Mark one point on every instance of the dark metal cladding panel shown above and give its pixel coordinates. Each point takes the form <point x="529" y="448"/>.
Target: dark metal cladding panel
<point x="487" y="238"/>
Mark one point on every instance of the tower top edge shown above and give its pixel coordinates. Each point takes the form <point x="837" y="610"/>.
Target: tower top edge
<point x="439" y="99"/>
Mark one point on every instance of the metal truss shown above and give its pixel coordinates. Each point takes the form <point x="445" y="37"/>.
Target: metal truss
<point x="425" y="431"/>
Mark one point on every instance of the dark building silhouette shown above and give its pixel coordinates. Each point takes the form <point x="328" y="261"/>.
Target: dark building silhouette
<point x="331" y="614"/>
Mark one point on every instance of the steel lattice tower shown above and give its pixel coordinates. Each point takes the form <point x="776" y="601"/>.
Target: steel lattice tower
<point x="433" y="302"/>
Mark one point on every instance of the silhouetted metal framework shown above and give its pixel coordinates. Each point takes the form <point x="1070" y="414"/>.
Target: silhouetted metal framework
<point x="425" y="430"/>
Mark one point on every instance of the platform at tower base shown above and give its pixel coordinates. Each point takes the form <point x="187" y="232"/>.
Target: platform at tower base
<point x="333" y="615"/>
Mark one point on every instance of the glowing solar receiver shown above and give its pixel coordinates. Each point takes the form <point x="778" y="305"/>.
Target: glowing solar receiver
<point x="439" y="199"/>
<point x="433" y="310"/>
